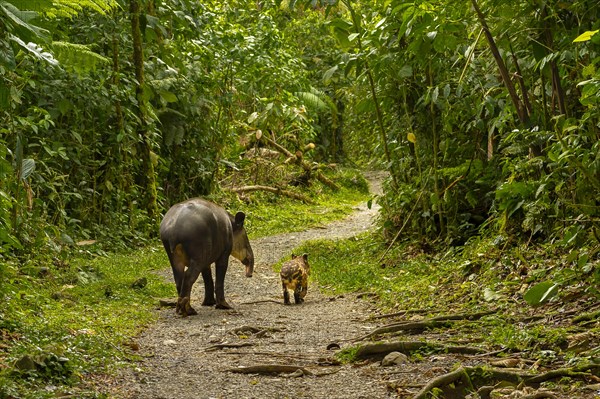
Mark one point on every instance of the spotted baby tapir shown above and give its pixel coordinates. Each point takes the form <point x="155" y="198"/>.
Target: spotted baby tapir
<point x="294" y="276"/>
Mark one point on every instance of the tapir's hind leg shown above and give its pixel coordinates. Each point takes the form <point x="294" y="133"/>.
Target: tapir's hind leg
<point x="189" y="278"/>
<point x="209" y="287"/>
<point x="179" y="261"/>
<point x="220" y="270"/>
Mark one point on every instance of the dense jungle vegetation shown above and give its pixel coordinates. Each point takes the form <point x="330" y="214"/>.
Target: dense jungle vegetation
<point x="485" y="114"/>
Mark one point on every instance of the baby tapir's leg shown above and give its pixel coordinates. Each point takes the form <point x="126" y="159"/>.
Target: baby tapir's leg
<point x="286" y="295"/>
<point x="298" y="294"/>
<point x="301" y="288"/>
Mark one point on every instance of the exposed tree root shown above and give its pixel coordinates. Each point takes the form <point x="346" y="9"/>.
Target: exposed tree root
<point x="459" y="374"/>
<point x="573" y="372"/>
<point x="486" y="377"/>
<point x="396" y="314"/>
<point x="434" y="322"/>
<point x="407" y="347"/>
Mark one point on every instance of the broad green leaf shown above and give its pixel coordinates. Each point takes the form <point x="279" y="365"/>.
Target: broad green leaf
<point x="168" y="96"/>
<point x="573" y="256"/>
<point x="583" y="260"/>
<point x="381" y="22"/>
<point x="490" y="295"/>
<point x="32" y="5"/>
<point x="4" y="96"/>
<point x="7" y="58"/>
<point x="329" y="73"/>
<point x="19" y="20"/>
<point x="352" y="37"/>
<point x="253" y="116"/>
<point x="541" y="293"/>
<point x="406" y="71"/>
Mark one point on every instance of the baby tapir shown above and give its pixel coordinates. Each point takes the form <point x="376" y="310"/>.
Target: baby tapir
<point x="294" y="276"/>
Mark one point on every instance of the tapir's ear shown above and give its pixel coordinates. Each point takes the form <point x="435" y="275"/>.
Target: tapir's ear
<point x="239" y="219"/>
<point x="305" y="256"/>
<point x="294" y="256"/>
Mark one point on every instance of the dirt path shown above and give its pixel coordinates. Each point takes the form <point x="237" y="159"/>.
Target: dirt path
<point x="192" y="358"/>
<point x="179" y="362"/>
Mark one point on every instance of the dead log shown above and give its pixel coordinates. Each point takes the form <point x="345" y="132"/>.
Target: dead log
<point x="275" y="190"/>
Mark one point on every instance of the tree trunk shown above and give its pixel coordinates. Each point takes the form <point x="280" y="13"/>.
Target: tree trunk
<point x="520" y="108"/>
<point x="436" y="149"/>
<point x="147" y="175"/>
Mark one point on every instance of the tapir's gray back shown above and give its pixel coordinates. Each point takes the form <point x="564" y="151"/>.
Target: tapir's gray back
<point x="203" y="229"/>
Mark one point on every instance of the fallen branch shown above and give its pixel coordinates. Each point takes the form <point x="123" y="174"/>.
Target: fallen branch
<point x="407" y="347"/>
<point x="227" y="345"/>
<point x="274" y="190"/>
<point x="253" y="330"/>
<point x="298" y="159"/>
<point x="269" y="369"/>
<point x="274" y="354"/>
<point x="262" y="301"/>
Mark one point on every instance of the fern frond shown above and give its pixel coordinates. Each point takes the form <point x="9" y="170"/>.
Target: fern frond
<point x="63" y="8"/>
<point x="77" y="56"/>
<point x="70" y="8"/>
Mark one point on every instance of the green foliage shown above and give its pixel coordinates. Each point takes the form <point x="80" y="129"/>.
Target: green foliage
<point x="268" y="215"/>
<point x="347" y="355"/>
<point x="214" y="73"/>
<point x="70" y="319"/>
<point x="455" y="282"/>
<point x="529" y="157"/>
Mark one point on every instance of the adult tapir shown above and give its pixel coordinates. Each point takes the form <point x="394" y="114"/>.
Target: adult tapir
<point x="195" y="234"/>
